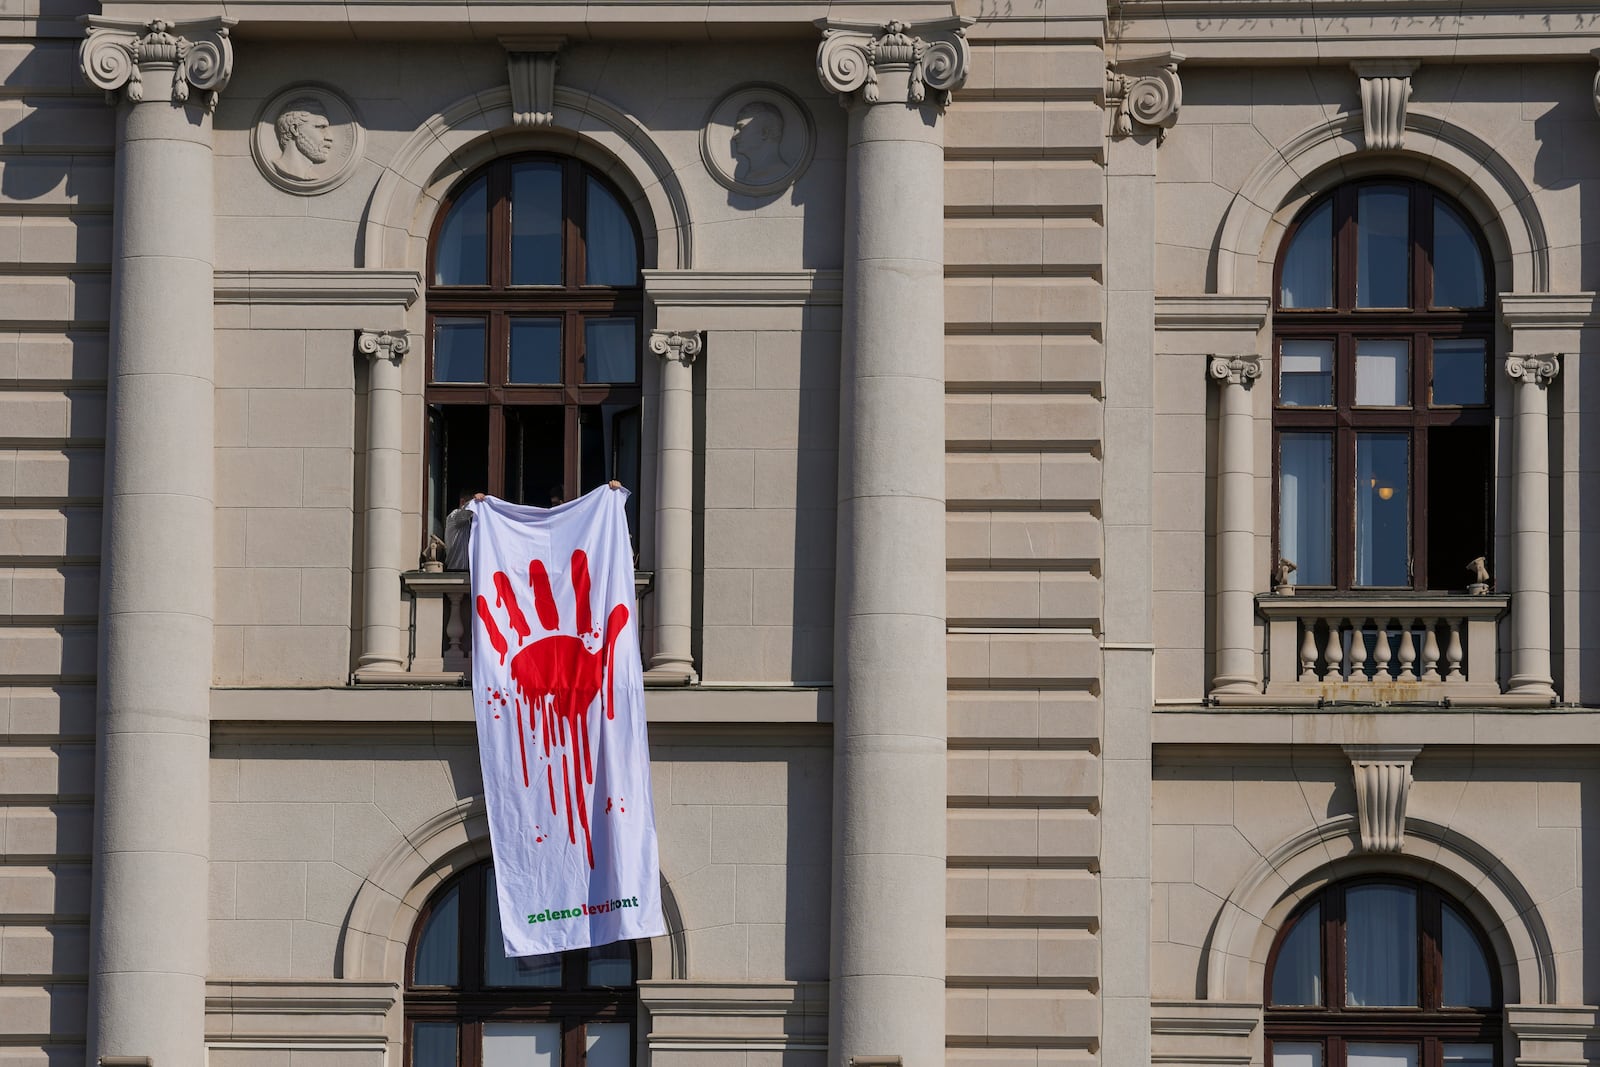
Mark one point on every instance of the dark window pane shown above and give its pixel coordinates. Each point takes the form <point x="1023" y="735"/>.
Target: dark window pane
<point x="594" y="457"/>
<point x="535" y="473"/>
<point x="1297" y="974"/>
<point x="439" y="947"/>
<point x="536" y="224"/>
<point x="1383" y="509"/>
<point x="1381" y="947"/>
<point x="1458" y="502"/>
<point x="1466" y="971"/>
<point x="1305" y="374"/>
<point x="1383" y="373"/>
<point x="1383" y="247"/>
<point x="502" y="970"/>
<point x="458" y="350"/>
<point x="1307" y="275"/>
<point x="624" y="450"/>
<point x="1458" y="372"/>
<point x="433" y="1045"/>
<point x="535" y="352"/>
<point x="1457" y="264"/>
<point x="458" y="456"/>
<point x="462" y="255"/>
<point x="1305" y="505"/>
<point x="611" y="965"/>
<point x="611" y="254"/>
<point x="610" y="351"/>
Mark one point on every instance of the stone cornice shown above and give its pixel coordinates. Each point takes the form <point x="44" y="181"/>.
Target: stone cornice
<point x="854" y="57"/>
<point x="1212" y="312"/>
<point x="351" y="287"/>
<point x="713" y="288"/>
<point x="1547" y="310"/>
<point x="156" y="58"/>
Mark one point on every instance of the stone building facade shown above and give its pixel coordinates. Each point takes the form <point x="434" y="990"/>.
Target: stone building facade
<point x="978" y="371"/>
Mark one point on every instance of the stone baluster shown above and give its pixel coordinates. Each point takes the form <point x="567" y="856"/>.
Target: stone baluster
<point x="1380" y="652"/>
<point x="1452" y="651"/>
<point x="1408" y="651"/>
<point x="1333" y="652"/>
<point x="456" y="634"/>
<point x="1430" y="650"/>
<point x="1308" y="651"/>
<point x="148" y="958"/>
<point x="1358" y="649"/>
<point x="887" y="976"/>
<point x="1530" y="565"/>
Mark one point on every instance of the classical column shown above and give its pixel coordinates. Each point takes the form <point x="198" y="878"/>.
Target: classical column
<point x="147" y="930"/>
<point x="887" y="970"/>
<point x="673" y="663"/>
<point x="382" y="647"/>
<point x="1530" y="564"/>
<point x="1236" y="527"/>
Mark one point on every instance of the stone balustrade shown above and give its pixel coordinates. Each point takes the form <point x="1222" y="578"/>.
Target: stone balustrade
<point x="440" y="649"/>
<point x="1384" y="649"/>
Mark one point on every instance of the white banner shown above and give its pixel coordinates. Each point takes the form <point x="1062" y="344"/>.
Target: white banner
<point x="559" y="693"/>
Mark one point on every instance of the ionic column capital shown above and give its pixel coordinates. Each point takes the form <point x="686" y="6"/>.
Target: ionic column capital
<point x="391" y="345"/>
<point x="1145" y="91"/>
<point x="1538" y="370"/>
<point x="121" y="55"/>
<point x="1234" y="370"/>
<point x="854" y="57"/>
<point x="677" y="346"/>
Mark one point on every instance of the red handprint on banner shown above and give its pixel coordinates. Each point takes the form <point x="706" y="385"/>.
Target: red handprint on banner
<point x="556" y="679"/>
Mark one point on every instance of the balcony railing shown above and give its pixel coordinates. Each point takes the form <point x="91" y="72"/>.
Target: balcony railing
<point x="441" y="625"/>
<point x="1382" y="649"/>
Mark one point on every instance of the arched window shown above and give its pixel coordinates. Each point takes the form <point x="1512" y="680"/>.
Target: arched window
<point x="534" y="303"/>
<point x="1381" y="973"/>
<point x="1382" y="400"/>
<point x="468" y="1005"/>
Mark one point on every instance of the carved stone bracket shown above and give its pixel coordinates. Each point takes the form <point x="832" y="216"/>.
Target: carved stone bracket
<point x="121" y="55"/>
<point x="1145" y="92"/>
<point x="677" y="346"/>
<point x="1538" y="370"/>
<point x="531" y="63"/>
<point x="1235" y="370"/>
<point x="855" y="58"/>
<point x="391" y="345"/>
<point x="1383" y="782"/>
<point x="1385" y="91"/>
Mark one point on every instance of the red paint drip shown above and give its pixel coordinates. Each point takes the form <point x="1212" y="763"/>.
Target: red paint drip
<point x="505" y="598"/>
<point x="522" y="750"/>
<point x="580" y="591"/>
<point x="495" y="637"/>
<point x="550" y="780"/>
<point x="566" y="784"/>
<point x="608" y="805"/>
<point x="544" y="601"/>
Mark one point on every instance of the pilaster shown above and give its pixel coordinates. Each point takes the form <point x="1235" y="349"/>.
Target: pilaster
<point x="147" y="934"/>
<point x="1530" y="565"/>
<point x="673" y="661"/>
<point x="382" y="635"/>
<point x="888" y="968"/>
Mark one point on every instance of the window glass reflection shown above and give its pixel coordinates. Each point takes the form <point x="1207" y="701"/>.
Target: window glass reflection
<point x="521" y="1044"/>
<point x="1466" y="972"/>
<point x="610" y="354"/>
<point x="1296" y="1054"/>
<point x="1457" y="262"/>
<point x="458" y="350"/>
<point x="535" y="352"/>
<point x="611" y="253"/>
<point x="1383" y="247"/>
<point x="1297" y="972"/>
<point x="1458" y="372"/>
<point x="1380" y="952"/>
<point x="461" y="256"/>
<point x="1380" y="1054"/>
<point x="1305" y="373"/>
<point x="1383" y="509"/>
<point x="1383" y="372"/>
<point x="1305" y="505"/>
<point x="606" y="1044"/>
<point x="433" y="1045"/>
<point x="1307" y="277"/>
<point x="536" y="224"/>
<point x="439" y="945"/>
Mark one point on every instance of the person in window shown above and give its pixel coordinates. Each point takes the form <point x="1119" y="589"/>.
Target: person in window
<point x="457" y="533"/>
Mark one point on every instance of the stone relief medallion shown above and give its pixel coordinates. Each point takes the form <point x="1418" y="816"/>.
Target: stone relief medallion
<point x="307" y="139"/>
<point x="757" y="140"/>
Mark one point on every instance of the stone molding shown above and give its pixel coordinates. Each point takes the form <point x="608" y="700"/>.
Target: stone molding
<point x="1383" y="783"/>
<point x="391" y="345"/>
<point x="1538" y="370"/>
<point x="717" y="288"/>
<point x="1234" y="370"/>
<point x="677" y="346"/>
<point x="354" y="299"/>
<point x="1552" y="1036"/>
<point x="531" y="64"/>
<point x="330" y="1011"/>
<point x="1548" y="310"/>
<point x="119" y="55"/>
<point x="1205" y="1031"/>
<point x="704" y="1016"/>
<point x="1145" y="93"/>
<point x="1212" y="312"/>
<point x="853" y="56"/>
<point x="1385" y="92"/>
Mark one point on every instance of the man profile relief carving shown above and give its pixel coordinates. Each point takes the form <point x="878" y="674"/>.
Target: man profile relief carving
<point x="304" y="140"/>
<point x="758" y="143"/>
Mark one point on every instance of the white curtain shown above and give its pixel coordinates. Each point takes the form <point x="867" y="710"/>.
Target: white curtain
<point x="1305" y="506"/>
<point x="1380" y="949"/>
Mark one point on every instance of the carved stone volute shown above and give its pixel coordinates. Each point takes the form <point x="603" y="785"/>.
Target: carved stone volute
<point x="1538" y="370"/>
<point x="869" y="63"/>
<point x="121" y="55"/>
<point x="1235" y="370"/>
<point x="391" y="345"/>
<point x="1145" y="94"/>
<point x="676" y="346"/>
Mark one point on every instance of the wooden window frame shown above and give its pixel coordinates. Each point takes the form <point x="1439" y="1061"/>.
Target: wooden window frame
<point x="469" y="1004"/>
<point x="1345" y="324"/>
<point x="498" y="302"/>
<point x="1429" y="1026"/>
